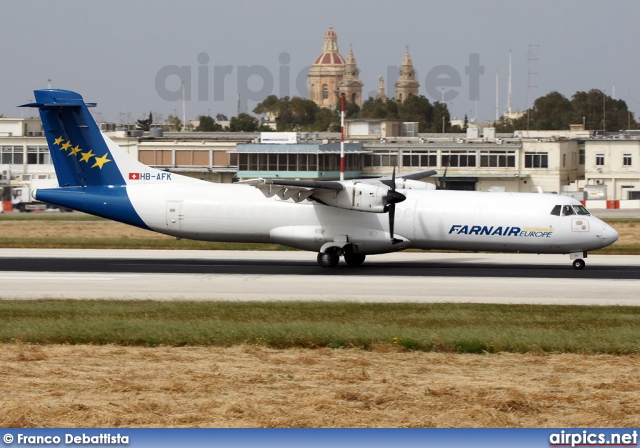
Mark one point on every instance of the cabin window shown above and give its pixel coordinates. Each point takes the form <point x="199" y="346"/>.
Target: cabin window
<point x="567" y="210"/>
<point x="556" y="210"/>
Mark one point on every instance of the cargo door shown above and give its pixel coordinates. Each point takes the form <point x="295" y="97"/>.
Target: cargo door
<point x="174" y="216"/>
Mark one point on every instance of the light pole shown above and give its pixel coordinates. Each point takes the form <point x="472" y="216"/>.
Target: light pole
<point x="342" y="136"/>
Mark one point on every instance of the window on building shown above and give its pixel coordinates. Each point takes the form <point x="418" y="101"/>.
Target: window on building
<point x="627" y="160"/>
<point x="581" y="152"/>
<point x="599" y="159"/>
<point x="381" y="159"/>
<point x="253" y="162"/>
<point x="536" y="160"/>
<point x="564" y="160"/>
<point x="243" y="162"/>
<point x="312" y="162"/>
<point x="498" y="159"/>
<point x="38" y="155"/>
<point x="325" y="92"/>
<point x="353" y="162"/>
<point x="420" y="159"/>
<point x="459" y="158"/>
<point x="12" y="155"/>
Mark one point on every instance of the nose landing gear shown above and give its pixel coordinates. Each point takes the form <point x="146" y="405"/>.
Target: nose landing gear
<point x="578" y="262"/>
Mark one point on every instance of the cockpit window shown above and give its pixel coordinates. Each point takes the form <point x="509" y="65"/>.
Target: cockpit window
<point x="567" y="210"/>
<point x="581" y="210"/>
<point x="556" y="210"/>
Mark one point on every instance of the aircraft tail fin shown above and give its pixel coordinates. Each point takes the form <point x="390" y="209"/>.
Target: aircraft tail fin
<point x="82" y="156"/>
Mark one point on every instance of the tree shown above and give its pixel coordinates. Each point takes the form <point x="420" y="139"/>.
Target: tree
<point x="551" y="112"/>
<point x="325" y="120"/>
<point x="440" y="114"/>
<point x="145" y="125"/>
<point x="173" y="124"/>
<point x="207" y="124"/>
<point x="269" y="106"/>
<point x="600" y="111"/>
<point x="291" y="114"/>
<point x="376" y="108"/>
<point x="418" y="108"/>
<point x="243" y="123"/>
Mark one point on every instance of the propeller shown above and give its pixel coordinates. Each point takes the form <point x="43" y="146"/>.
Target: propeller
<point x="443" y="180"/>
<point x="393" y="197"/>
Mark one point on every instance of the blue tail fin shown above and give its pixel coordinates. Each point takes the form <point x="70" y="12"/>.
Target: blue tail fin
<point x="79" y="152"/>
<point x="88" y="165"/>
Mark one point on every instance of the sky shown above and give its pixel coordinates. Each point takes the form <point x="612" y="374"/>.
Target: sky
<point x="130" y="56"/>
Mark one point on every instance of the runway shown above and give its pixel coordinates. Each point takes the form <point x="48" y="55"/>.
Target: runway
<point x="288" y="276"/>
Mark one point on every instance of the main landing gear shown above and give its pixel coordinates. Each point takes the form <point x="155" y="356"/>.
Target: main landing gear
<point x="331" y="257"/>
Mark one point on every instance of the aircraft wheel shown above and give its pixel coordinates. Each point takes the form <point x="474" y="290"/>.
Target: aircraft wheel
<point x="328" y="259"/>
<point x="578" y="264"/>
<point x="354" y="259"/>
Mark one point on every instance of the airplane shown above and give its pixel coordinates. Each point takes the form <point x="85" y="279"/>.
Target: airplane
<point x="349" y="219"/>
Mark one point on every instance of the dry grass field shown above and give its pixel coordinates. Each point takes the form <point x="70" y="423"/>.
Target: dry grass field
<point x="252" y="386"/>
<point x="77" y="229"/>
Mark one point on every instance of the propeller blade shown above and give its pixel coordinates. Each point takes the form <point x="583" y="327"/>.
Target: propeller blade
<point x="393" y="197"/>
<point x="443" y="180"/>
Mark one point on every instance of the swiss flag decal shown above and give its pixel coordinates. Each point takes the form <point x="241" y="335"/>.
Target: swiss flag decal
<point x="134" y="176"/>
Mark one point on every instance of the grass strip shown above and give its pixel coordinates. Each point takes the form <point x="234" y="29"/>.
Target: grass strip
<point x="130" y="243"/>
<point x="45" y="216"/>
<point x="464" y="328"/>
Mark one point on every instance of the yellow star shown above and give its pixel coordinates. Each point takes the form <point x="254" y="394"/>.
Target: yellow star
<point x="58" y="140"/>
<point x="75" y="150"/>
<point x="66" y="146"/>
<point x="101" y="161"/>
<point x="87" y="155"/>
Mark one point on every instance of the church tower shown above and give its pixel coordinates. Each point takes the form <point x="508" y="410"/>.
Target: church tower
<point x="351" y="85"/>
<point x="406" y="85"/>
<point x="381" y="95"/>
<point x="326" y="72"/>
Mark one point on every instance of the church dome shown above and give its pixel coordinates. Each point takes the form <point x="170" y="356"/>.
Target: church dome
<point x="330" y="55"/>
<point x="329" y="59"/>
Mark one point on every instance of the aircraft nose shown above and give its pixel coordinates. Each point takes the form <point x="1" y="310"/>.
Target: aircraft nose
<point x="609" y="235"/>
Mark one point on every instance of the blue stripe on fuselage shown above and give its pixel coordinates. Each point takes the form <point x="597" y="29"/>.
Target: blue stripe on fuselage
<point x="109" y="202"/>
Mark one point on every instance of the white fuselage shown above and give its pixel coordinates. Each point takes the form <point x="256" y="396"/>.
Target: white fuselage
<point x="427" y="219"/>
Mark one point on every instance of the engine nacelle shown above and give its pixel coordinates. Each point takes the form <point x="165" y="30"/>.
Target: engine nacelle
<point x="408" y="184"/>
<point x="358" y="196"/>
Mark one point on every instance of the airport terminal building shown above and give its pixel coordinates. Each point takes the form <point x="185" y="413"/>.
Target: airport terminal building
<point x="569" y="162"/>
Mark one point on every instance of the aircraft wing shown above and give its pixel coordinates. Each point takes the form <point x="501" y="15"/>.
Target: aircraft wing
<point x="415" y="175"/>
<point x="298" y="190"/>
<point x="367" y="195"/>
